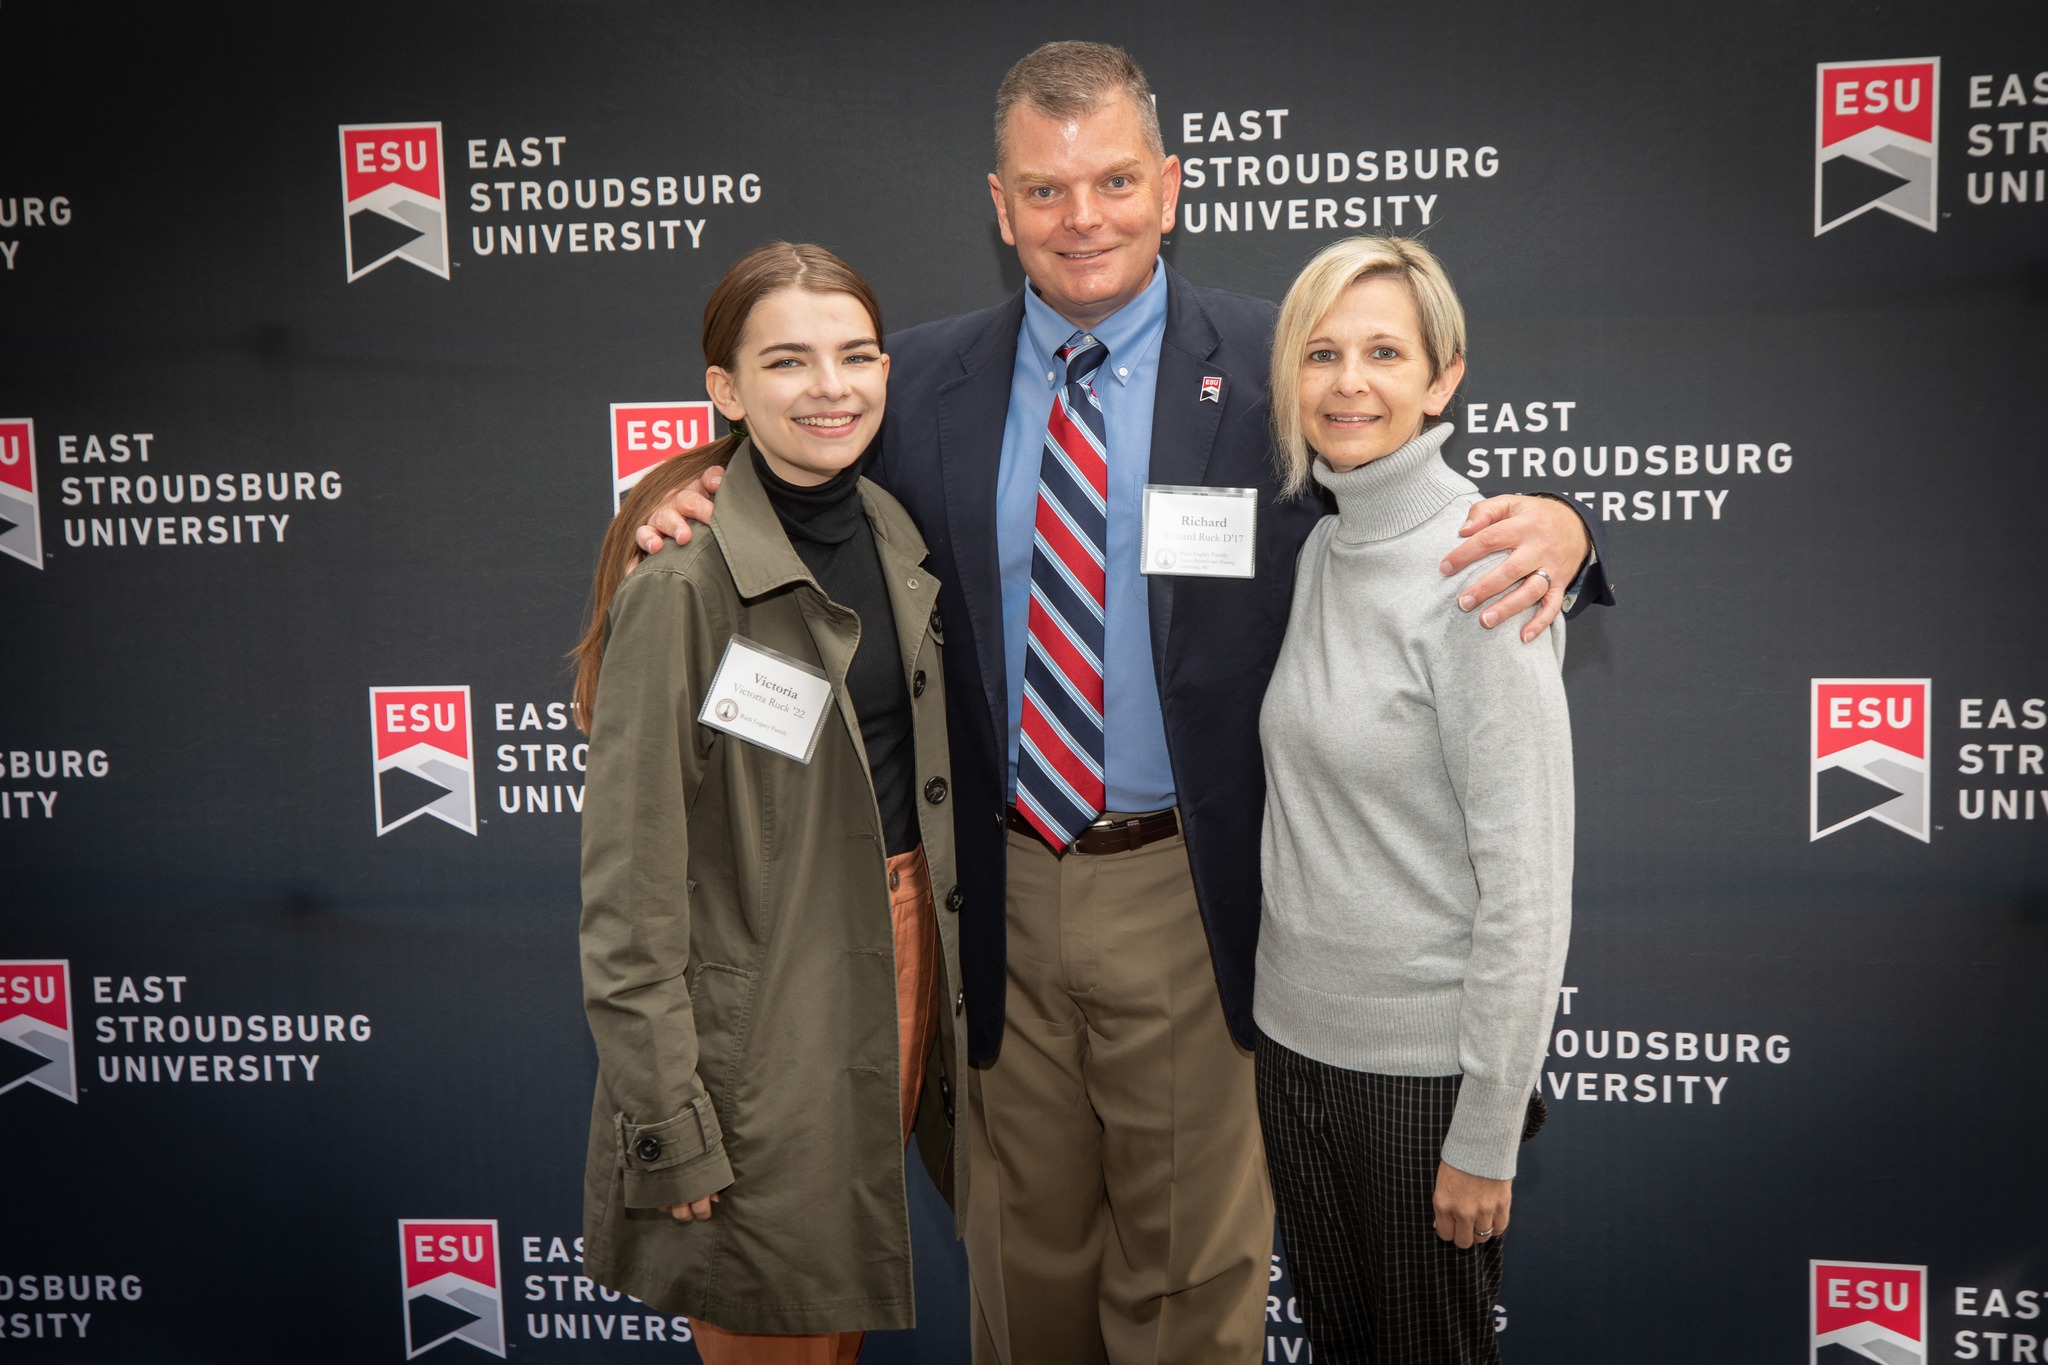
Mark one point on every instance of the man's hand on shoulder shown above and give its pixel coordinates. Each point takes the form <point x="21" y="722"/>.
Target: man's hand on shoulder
<point x="1546" y="547"/>
<point x="672" y="519"/>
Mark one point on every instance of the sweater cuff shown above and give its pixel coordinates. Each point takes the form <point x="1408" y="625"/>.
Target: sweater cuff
<point x="1486" y="1129"/>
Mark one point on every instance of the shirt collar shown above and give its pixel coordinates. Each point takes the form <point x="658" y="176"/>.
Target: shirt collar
<point x="1131" y="333"/>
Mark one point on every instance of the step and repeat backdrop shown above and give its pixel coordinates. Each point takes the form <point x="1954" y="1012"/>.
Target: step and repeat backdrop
<point x="328" y="343"/>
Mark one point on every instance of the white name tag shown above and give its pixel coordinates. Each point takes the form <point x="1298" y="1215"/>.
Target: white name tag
<point x="768" y="699"/>
<point x="1203" y="532"/>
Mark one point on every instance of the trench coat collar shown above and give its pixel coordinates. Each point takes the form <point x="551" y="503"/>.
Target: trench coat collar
<point x="896" y="535"/>
<point x="756" y="548"/>
<point x="749" y="534"/>
<point x="761" y="559"/>
<point x="913" y="592"/>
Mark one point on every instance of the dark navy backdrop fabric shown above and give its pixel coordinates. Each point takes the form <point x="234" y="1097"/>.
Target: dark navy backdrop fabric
<point x="1774" y="1050"/>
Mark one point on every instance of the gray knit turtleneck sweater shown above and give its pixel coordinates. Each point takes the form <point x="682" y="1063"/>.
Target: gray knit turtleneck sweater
<point x="1418" y="838"/>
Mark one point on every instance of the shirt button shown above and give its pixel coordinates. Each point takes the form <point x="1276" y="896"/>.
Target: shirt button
<point x="935" y="791"/>
<point x="894" y="878"/>
<point x="1122" y="372"/>
<point x="917" y="684"/>
<point x="1048" y="376"/>
<point x="648" y="1149"/>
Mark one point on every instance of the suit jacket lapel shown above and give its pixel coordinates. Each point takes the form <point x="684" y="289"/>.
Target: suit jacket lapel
<point x="972" y="409"/>
<point x="1183" y="426"/>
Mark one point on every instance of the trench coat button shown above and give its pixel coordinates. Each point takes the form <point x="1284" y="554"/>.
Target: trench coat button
<point x="935" y="791"/>
<point x="894" y="878"/>
<point x="648" y="1149"/>
<point x="954" y="900"/>
<point x="938" y="626"/>
<point x="913" y="583"/>
<point x="960" y="1003"/>
<point x="917" y="684"/>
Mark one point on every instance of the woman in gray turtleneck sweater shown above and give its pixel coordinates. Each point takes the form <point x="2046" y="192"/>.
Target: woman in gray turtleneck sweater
<point x="1418" y="841"/>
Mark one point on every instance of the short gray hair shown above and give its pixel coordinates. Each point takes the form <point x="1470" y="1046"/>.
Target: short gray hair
<point x="1068" y="78"/>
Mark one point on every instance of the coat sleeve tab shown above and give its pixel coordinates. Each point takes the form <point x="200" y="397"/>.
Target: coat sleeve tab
<point x="674" y="1161"/>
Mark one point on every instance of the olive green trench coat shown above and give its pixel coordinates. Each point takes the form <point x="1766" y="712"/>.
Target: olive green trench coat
<point x="738" y="950"/>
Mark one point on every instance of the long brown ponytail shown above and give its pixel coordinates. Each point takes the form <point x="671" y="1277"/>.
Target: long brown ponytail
<point x="762" y="271"/>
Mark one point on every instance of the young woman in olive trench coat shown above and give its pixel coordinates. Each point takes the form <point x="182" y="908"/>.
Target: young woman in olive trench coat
<point x="740" y="958"/>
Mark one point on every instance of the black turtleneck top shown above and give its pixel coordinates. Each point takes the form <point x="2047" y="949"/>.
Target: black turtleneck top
<point x="830" y="532"/>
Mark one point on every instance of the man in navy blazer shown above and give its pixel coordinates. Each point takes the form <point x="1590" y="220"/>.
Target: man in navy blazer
<point x="1118" y="1208"/>
<point x="1213" y="639"/>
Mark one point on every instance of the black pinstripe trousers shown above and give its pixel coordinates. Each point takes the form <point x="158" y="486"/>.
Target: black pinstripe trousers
<point x="1353" y="1158"/>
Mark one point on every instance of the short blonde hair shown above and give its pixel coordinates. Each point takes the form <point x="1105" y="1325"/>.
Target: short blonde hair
<point x="1315" y="292"/>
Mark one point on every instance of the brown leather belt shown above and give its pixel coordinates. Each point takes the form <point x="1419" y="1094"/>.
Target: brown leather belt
<point x="1107" y="835"/>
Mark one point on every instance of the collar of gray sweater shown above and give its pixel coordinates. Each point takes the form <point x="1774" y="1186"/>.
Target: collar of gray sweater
<point x="1396" y="493"/>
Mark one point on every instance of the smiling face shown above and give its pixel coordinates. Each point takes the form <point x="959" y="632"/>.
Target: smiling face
<point x="1365" y="380"/>
<point x="1084" y="199"/>
<point x="809" y="379"/>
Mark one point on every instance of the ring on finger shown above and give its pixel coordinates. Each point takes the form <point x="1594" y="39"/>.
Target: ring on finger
<point x="1547" y="583"/>
<point x="1483" y="1233"/>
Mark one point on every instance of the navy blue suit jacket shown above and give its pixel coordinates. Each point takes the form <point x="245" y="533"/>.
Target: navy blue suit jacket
<point x="1214" y="640"/>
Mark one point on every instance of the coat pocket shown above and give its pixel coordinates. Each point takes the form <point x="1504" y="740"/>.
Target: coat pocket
<point x="722" y="1003"/>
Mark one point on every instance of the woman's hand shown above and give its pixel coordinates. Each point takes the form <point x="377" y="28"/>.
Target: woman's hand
<point x="1546" y="544"/>
<point x="1470" y="1208"/>
<point x="673" y="519"/>
<point x="693" y="1212"/>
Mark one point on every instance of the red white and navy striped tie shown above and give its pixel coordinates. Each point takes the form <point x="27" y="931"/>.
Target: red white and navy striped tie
<point x="1059" y="754"/>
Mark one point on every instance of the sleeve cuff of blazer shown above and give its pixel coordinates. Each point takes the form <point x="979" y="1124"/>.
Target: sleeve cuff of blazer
<point x="1591" y="587"/>
<point x="675" y="1161"/>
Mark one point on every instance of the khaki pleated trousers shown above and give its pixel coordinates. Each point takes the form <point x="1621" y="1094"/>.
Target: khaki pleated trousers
<point x="1118" y="1206"/>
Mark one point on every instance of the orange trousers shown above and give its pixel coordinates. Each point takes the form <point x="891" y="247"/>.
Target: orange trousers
<point x="917" y="1017"/>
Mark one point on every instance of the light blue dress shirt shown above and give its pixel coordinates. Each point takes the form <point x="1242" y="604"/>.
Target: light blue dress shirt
<point x="1135" y="766"/>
